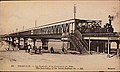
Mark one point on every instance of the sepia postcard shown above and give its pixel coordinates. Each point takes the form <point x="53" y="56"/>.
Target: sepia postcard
<point x="60" y="35"/>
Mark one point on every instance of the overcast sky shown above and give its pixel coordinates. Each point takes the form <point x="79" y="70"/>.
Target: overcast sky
<point x="18" y="14"/>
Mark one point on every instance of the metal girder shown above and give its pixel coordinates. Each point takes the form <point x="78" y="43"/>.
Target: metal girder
<point x="61" y="28"/>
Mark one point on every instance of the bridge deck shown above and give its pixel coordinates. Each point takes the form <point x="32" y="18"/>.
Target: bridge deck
<point x="103" y="38"/>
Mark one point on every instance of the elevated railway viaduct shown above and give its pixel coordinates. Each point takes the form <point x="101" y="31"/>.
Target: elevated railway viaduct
<point x="85" y="35"/>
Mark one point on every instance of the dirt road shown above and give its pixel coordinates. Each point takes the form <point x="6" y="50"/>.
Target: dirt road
<point x="20" y="60"/>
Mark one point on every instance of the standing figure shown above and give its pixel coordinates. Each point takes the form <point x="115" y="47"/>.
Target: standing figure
<point x="63" y="50"/>
<point x="35" y="48"/>
<point x="40" y="50"/>
<point x="80" y="51"/>
<point x="29" y="47"/>
<point x="51" y="50"/>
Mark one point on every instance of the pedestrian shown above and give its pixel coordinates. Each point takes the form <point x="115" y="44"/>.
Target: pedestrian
<point x="80" y="51"/>
<point x="63" y="50"/>
<point x="29" y="47"/>
<point x="40" y="50"/>
<point x="51" y="50"/>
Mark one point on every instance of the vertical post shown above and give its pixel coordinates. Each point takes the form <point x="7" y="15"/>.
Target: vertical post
<point x="72" y="28"/>
<point x="97" y="49"/>
<point x="9" y="43"/>
<point x="103" y="47"/>
<point x="74" y="11"/>
<point x="34" y="40"/>
<point x="24" y="43"/>
<point x="108" y="47"/>
<point x="89" y="44"/>
<point x="9" y="40"/>
<point x="13" y="43"/>
<point x="18" y="42"/>
<point x="118" y="49"/>
<point x="12" y="40"/>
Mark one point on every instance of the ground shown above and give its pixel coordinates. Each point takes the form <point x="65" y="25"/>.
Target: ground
<point x="20" y="60"/>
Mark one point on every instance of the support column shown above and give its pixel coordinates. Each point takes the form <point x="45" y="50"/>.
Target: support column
<point x="9" y="43"/>
<point x="118" y="49"/>
<point x="97" y="49"/>
<point x="18" y="42"/>
<point x="14" y="45"/>
<point x="89" y="45"/>
<point x="34" y="40"/>
<point x="96" y="46"/>
<point x="103" y="47"/>
<point x="9" y="40"/>
<point x="13" y="42"/>
<point x="25" y="43"/>
<point x="108" y="47"/>
<point x="45" y="44"/>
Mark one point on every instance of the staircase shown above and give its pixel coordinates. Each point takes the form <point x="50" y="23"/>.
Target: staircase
<point x="78" y="42"/>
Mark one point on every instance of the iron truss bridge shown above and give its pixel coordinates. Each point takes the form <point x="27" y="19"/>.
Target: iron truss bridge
<point x="62" y="29"/>
<point x="76" y="31"/>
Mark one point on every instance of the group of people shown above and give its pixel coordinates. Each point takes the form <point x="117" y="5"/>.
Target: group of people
<point x="38" y="50"/>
